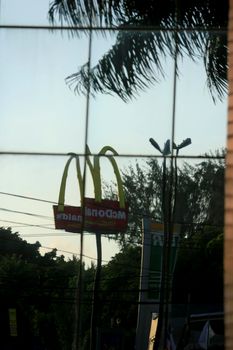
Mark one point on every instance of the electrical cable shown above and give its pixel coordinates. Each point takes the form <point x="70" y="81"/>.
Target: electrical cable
<point x="132" y="213"/>
<point x="27" y="197"/>
<point x="26" y="213"/>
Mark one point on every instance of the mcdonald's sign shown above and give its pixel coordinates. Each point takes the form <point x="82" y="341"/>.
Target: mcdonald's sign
<point x="95" y="215"/>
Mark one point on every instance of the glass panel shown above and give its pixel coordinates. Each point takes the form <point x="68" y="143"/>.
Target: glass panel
<point x="25" y="12"/>
<point x="143" y="187"/>
<point x="39" y="113"/>
<point x="198" y="115"/>
<point x="30" y="187"/>
<point x="33" y="12"/>
<point x="200" y="213"/>
<point x="200" y="191"/>
<point x="116" y="120"/>
<point x="44" y="109"/>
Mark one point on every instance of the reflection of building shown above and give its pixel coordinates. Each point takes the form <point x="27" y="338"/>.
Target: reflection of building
<point x="23" y="72"/>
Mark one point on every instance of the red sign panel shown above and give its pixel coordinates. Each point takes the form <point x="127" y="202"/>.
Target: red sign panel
<point x="104" y="217"/>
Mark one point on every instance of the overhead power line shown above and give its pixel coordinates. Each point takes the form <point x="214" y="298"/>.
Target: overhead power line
<point x="27" y="197"/>
<point x="26" y="213"/>
<point x="28" y="225"/>
<point x="69" y="252"/>
<point x="136" y="213"/>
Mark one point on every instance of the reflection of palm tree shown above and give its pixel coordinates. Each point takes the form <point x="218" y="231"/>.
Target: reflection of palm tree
<point x="145" y="37"/>
<point x="136" y="60"/>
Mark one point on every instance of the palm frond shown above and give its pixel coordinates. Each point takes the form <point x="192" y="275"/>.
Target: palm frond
<point x="86" y="13"/>
<point x="136" y="60"/>
<point x="215" y="60"/>
<point x="132" y="64"/>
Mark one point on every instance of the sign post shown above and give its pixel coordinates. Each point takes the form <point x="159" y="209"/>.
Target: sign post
<point x="94" y="215"/>
<point x="150" y="282"/>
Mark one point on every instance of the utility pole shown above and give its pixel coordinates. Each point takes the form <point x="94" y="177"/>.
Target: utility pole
<point x="78" y="302"/>
<point x="168" y="210"/>
<point x="160" y="333"/>
<point x="95" y="300"/>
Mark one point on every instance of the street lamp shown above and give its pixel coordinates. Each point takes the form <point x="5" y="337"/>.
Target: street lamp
<point x="160" y="327"/>
<point x="167" y="220"/>
<point x="166" y="150"/>
<point x="171" y="220"/>
<point x="183" y="144"/>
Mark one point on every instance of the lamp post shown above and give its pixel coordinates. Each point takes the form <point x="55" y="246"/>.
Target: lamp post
<point x="95" y="315"/>
<point x="171" y="219"/>
<point x="160" y="328"/>
<point x="168" y="219"/>
<point x="183" y="144"/>
<point x="165" y="152"/>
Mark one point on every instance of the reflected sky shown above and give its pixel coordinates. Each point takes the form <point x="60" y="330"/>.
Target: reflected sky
<point x="25" y="12"/>
<point x="41" y="113"/>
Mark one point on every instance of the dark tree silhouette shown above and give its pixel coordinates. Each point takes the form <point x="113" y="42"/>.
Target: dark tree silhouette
<point x="147" y="32"/>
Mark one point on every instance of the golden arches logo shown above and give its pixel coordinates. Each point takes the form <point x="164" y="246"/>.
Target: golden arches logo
<point x="99" y="213"/>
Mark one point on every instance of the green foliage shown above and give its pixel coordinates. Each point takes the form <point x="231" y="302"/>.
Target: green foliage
<point x="41" y="290"/>
<point x="199" y="268"/>
<point x="143" y="192"/>
<point x="120" y="290"/>
<point x="199" y="192"/>
<point x="11" y="243"/>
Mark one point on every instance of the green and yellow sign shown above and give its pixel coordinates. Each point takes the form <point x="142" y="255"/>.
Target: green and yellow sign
<point x="13" y="322"/>
<point x="156" y="231"/>
<point x="94" y="214"/>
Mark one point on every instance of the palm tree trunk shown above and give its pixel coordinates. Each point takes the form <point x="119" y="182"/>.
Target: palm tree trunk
<point x="228" y="244"/>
